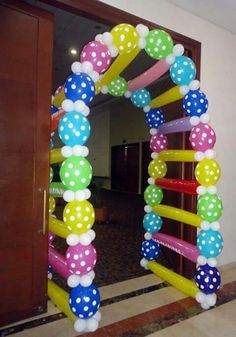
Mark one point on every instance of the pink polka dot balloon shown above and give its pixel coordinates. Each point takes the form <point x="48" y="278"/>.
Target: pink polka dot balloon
<point x="81" y="259"/>
<point x="159" y="142"/>
<point x="98" y="54"/>
<point x="202" y="137"/>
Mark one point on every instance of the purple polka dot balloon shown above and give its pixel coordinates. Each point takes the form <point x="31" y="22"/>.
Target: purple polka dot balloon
<point x="202" y="137"/>
<point x="207" y="279"/>
<point x="158" y="143"/>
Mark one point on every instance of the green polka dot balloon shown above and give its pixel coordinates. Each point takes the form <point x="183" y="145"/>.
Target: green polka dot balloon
<point x="79" y="216"/>
<point x="118" y="86"/>
<point x="159" y="44"/>
<point x="153" y="195"/>
<point x="51" y="174"/>
<point x="76" y="173"/>
<point x="157" y="168"/>
<point x="209" y="207"/>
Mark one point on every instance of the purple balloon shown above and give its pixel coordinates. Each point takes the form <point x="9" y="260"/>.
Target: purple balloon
<point x="177" y="125"/>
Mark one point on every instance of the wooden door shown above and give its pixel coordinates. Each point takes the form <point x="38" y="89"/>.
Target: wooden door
<point x="25" y="86"/>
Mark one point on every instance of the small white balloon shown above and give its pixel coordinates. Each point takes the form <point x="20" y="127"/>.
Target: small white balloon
<point x="127" y="94"/>
<point x="80" y="195"/>
<point x="98" y="316"/>
<point x="66" y="151"/>
<point x="212" y="262"/>
<point x="201" y="190"/>
<point x="77" y="150"/>
<point x="147" y="108"/>
<point x="199" y="156"/>
<point x="73" y="281"/>
<point x="142" y="30"/>
<point x="87" y="67"/>
<point x="205" y="118"/>
<point x="69" y="196"/>
<point x="107" y="38"/>
<point x="205" y="225"/>
<point x="86" y="111"/>
<point x="194" y="120"/>
<point x="178" y="49"/>
<point x="210" y="154"/>
<point x="113" y="51"/>
<point x="72" y="239"/>
<point x="143" y="263"/>
<point x="147" y="236"/>
<point x="79" y="106"/>
<point x="85" y="151"/>
<point x="211" y="299"/>
<point x="215" y="226"/>
<point x="87" y="193"/>
<point x="201" y="260"/>
<point x="86" y="280"/>
<point x="141" y="43"/>
<point x="85" y="239"/>
<point x="94" y="76"/>
<point x="76" y="67"/>
<point x="80" y="325"/>
<point x="49" y="276"/>
<point x="212" y="189"/>
<point x="154" y="155"/>
<point x="67" y="105"/>
<point x="153" y="131"/>
<point x="92" y="324"/>
<point x="194" y="85"/>
<point x="104" y="89"/>
<point x="98" y="37"/>
<point x="170" y="59"/>
<point x="91" y="274"/>
<point x="147" y="209"/>
<point x="205" y="305"/>
<point x="151" y="181"/>
<point x="184" y="89"/>
<point x="200" y="297"/>
<point x="92" y="234"/>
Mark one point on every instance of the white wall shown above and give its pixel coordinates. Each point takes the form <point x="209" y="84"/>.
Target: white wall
<point x="218" y="74"/>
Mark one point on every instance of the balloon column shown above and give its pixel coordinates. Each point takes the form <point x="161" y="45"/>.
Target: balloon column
<point x="96" y="73"/>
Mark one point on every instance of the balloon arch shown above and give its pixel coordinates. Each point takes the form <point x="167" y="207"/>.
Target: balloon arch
<point x="96" y="73"/>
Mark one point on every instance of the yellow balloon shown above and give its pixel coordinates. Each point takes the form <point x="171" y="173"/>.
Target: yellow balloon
<point x="178" y="155"/>
<point x="169" y="96"/>
<point x="60" y="298"/>
<point x="52" y="205"/>
<point x="207" y="172"/>
<point x="157" y="168"/>
<point x="56" y="156"/>
<point x="178" y="214"/>
<point x="181" y="283"/>
<point x="58" y="227"/>
<point x="79" y="216"/>
<point x="125" y="38"/>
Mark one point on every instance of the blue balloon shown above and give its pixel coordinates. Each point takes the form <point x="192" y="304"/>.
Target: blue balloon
<point x="150" y="249"/>
<point x="74" y="128"/>
<point x="195" y="103"/>
<point x="50" y="268"/>
<point x="207" y="279"/>
<point x="154" y="118"/>
<point x="210" y="243"/>
<point x="152" y="222"/>
<point x="141" y="98"/>
<point x="54" y="109"/>
<point x="183" y="70"/>
<point x="84" y="301"/>
<point x="80" y="87"/>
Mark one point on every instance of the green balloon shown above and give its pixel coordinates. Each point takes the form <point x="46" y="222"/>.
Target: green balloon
<point x="118" y="86"/>
<point x="159" y="44"/>
<point x="76" y="173"/>
<point x="209" y="207"/>
<point x="51" y="174"/>
<point x="153" y="195"/>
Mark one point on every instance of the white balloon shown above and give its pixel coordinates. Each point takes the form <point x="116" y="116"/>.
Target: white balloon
<point x="68" y="196"/>
<point x="194" y="85"/>
<point x="104" y="89"/>
<point x="147" y="209"/>
<point x="92" y="324"/>
<point x="76" y="67"/>
<point x="212" y="189"/>
<point x="147" y="236"/>
<point x="201" y="260"/>
<point x="212" y="262"/>
<point x="86" y="111"/>
<point x="142" y="30"/>
<point x="127" y="94"/>
<point x="178" y="49"/>
<point x="85" y="151"/>
<point x="87" y="193"/>
<point x="194" y="120"/>
<point x="85" y="239"/>
<point x="73" y="280"/>
<point x="143" y="263"/>
<point x="200" y="297"/>
<point x="147" y="108"/>
<point x="98" y="316"/>
<point x="77" y="150"/>
<point x="211" y="299"/>
<point x="66" y="151"/>
<point x="92" y="234"/>
<point x="107" y="38"/>
<point x="80" y="325"/>
<point x="151" y="181"/>
<point x="184" y="89"/>
<point x="215" y="226"/>
<point x="141" y="43"/>
<point x="153" y="131"/>
<point x="87" y="67"/>
<point x="154" y="155"/>
<point x="170" y="59"/>
<point x="210" y="154"/>
<point x="199" y="156"/>
<point x="79" y="106"/>
<point x="91" y="274"/>
<point x="113" y="51"/>
<point x="201" y="190"/>
<point x="49" y="276"/>
<point x="80" y="195"/>
<point x="86" y="280"/>
<point x="205" y="225"/>
<point x="205" y="118"/>
<point x="72" y="239"/>
<point x="94" y="76"/>
<point x="204" y="305"/>
<point x="67" y="105"/>
<point x="98" y="37"/>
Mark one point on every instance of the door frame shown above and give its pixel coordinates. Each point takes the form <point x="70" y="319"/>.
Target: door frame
<point x="110" y="15"/>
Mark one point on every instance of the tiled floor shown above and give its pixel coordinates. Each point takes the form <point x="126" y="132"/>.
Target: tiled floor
<point x="144" y="306"/>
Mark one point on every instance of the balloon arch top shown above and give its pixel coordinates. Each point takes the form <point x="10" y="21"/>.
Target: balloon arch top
<point x="95" y="73"/>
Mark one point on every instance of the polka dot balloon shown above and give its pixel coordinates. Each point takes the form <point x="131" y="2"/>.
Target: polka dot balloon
<point x="80" y="87"/>
<point x="207" y="279"/>
<point x="81" y="259"/>
<point x="183" y="70"/>
<point x="159" y="44"/>
<point x="157" y="168"/>
<point x="154" y="118"/>
<point x="117" y="87"/>
<point x="150" y="249"/>
<point x="84" y="301"/>
<point x="125" y="38"/>
<point x="153" y="195"/>
<point x="195" y="103"/>
<point x="152" y="222"/>
<point x="141" y="98"/>
<point x="78" y="216"/>
<point x="158" y="143"/>
<point x="76" y="173"/>
<point x="74" y="129"/>
<point x="202" y="137"/>
<point x="209" y="243"/>
<point x="207" y="172"/>
<point x="209" y="207"/>
<point x="98" y="54"/>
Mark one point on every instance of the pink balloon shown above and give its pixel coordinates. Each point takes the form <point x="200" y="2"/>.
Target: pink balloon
<point x="81" y="259"/>
<point x="159" y="142"/>
<point x="202" y="137"/>
<point x="98" y="54"/>
<point x="51" y="237"/>
<point x="58" y="262"/>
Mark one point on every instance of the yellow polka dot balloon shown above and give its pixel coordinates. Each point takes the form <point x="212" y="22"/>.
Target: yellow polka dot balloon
<point x="157" y="168"/>
<point x="52" y="204"/>
<point x="79" y="216"/>
<point x="207" y="172"/>
<point x="125" y="38"/>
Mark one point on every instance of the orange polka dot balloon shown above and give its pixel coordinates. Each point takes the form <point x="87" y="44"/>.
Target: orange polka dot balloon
<point x="207" y="172"/>
<point x="125" y="38"/>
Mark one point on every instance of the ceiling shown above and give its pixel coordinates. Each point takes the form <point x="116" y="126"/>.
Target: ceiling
<point x="219" y="12"/>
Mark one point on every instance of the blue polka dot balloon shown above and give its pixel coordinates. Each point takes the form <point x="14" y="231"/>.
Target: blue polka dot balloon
<point x="152" y="222"/>
<point x="209" y="243"/>
<point x="207" y="279"/>
<point x="84" y="301"/>
<point x="183" y="70"/>
<point x="154" y="118"/>
<point x="74" y="129"/>
<point x="80" y="87"/>
<point x="141" y="98"/>
<point x="150" y="249"/>
<point x="195" y="103"/>
<point x="54" y="109"/>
